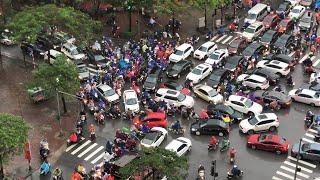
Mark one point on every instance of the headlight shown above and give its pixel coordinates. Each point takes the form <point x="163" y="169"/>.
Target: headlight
<point x="193" y="129"/>
<point x="174" y="75"/>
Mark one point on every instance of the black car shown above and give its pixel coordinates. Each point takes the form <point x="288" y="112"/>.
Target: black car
<point x="268" y="96"/>
<point x="97" y="59"/>
<point x="284" y="8"/>
<point x="223" y="109"/>
<point x="153" y="80"/>
<point x="209" y="127"/>
<point x="35" y="49"/>
<point x="269" y="38"/>
<point x="175" y="70"/>
<point x="171" y="85"/>
<point x="252" y="49"/>
<point x="218" y="76"/>
<point x="285" y="41"/>
<point x="233" y="62"/>
<point x="272" y="77"/>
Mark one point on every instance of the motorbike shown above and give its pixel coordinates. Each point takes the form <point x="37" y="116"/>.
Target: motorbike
<point x="176" y="131"/>
<point x="231" y="176"/>
<point x="44" y="149"/>
<point x="209" y="35"/>
<point x="290" y="82"/>
<point x="224" y="145"/>
<point x="213" y="146"/>
<point x="57" y="174"/>
<point x="308" y="121"/>
<point x="44" y="168"/>
<point x="73" y="139"/>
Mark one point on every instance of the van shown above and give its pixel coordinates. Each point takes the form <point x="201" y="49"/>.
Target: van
<point x="256" y="13"/>
<point x="71" y="51"/>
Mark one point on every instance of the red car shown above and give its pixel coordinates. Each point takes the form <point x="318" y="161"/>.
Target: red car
<point x="285" y="25"/>
<point x="151" y="119"/>
<point x="271" y="20"/>
<point x="268" y="142"/>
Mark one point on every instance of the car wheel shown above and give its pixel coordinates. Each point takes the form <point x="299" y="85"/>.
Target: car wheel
<point x="250" y="131"/>
<point x="312" y="104"/>
<point x="189" y="149"/>
<point x="198" y="133"/>
<point x="250" y="113"/>
<point x="220" y="134"/>
<point x="253" y="147"/>
<point x="278" y="152"/>
<point x="272" y="128"/>
<point x="279" y="74"/>
<point x="298" y="156"/>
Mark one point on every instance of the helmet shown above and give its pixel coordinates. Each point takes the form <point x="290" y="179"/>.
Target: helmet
<point x="235" y="166"/>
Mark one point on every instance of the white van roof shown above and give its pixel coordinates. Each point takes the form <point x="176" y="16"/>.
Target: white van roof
<point x="257" y="8"/>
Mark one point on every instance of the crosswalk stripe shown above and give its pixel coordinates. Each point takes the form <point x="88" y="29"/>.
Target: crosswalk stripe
<point x="222" y="37"/>
<point x="292" y="171"/>
<point x="87" y="150"/>
<point x="284" y="175"/>
<point x="97" y="159"/>
<point x="70" y="147"/>
<point x="312" y="130"/>
<point x="276" y="178"/>
<point x="215" y="37"/>
<point x="226" y="40"/>
<point x="303" y="162"/>
<point x="303" y="58"/>
<point x="316" y="63"/>
<point x="80" y="147"/>
<point x="291" y="54"/>
<point x="307" y="140"/>
<point x="294" y="165"/>
<point x="309" y="135"/>
<point x="93" y="153"/>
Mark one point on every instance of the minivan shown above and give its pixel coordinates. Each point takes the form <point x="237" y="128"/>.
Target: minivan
<point x="71" y="51"/>
<point x="256" y="13"/>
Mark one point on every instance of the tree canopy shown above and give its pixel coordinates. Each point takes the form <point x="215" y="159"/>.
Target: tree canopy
<point x="170" y="7"/>
<point x="62" y="75"/>
<point x="28" y="23"/>
<point x="161" y="161"/>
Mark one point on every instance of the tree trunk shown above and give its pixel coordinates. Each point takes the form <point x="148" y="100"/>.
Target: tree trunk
<point x="1" y="168"/>
<point x="64" y="103"/>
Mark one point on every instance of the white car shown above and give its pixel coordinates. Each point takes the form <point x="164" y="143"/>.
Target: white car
<point x="217" y="56"/>
<point x="253" y="31"/>
<point x="207" y="93"/>
<point x="315" y="77"/>
<point x="274" y="66"/>
<point x="130" y="101"/>
<point x="253" y="81"/>
<point x="261" y="122"/>
<point x="199" y="73"/>
<point x="155" y="137"/>
<point x="5" y="38"/>
<point x="180" y="146"/>
<point x="205" y="50"/>
<point x="297" y="12"/>
<point x="306" y="96"/>
<point x="174" y="97"/>
<point x="107" y="93"/>
<point x="244" y="105"/>
<point x="71" y="51"/>
<point x="293" y="2"/>
<point x="181" y="53"/>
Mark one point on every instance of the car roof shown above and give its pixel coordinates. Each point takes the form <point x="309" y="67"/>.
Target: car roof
<point x="255" y="24"/>
<point x="235" y="58"/>
<point x="183" y="46"/>
<point x="130" y="93"/>
<point x="315" y="146"/>
<point x="205" y="87"/>
<point x="271" y="137"/>
<point x="171" y="92"/>
<point x="272" y="15"/>
<point x="104" y="87"/>
<point x="157" y="115"/>
<point x="266" y="116"/>
<point x="278" y="63"/>
<point x="298" y="7"/>
<point x="237" y="98"/>
<point x="308" y="91"/>
<point x="207" y="44"/>
<point x="216" y="122"/>
<point x="202" y="66"/>
<point x="152" y="135"/>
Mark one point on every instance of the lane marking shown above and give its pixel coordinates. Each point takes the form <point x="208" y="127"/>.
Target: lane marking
<point x="70" y="147"/>
<point x="87" y="150"/>
<point x="292" y="171"/>
<point x="309" y="135"/>
<point x="294" y="165"/>
<point x="291" y="54"/>
<point x="285" y="175"/>
<point x="215" y="37"/>
<point x="226" y="40"/>
<point x="222" y="37"/>
<point x="97" y="159"/>
<point x="303" y="162"/>
<point x="93" y="153"/>
<point x="303" y="58"/>
<point x="276" y="178"/>
<point x="316" y="63"/>
<point x="80" y="147"/>
<point x="312" y="130"/>
<point x="307" y="140"/>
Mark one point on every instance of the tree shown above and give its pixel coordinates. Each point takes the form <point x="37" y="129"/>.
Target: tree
<point x="160" y="161"/>
<point x="13" y="133"/>
<point x="204" y="4"/>
<point x="61" y="76"/>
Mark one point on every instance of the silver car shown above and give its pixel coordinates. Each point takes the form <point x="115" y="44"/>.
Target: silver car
<point x="306" y="21"/>
<point x="308" y="151"/>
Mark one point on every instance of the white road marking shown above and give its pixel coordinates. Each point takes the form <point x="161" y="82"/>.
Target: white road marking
<point x="294" y="165"/>
<point x="292" y="171"/>
<point x="226" y="40"/>
<point x="316" y="63"/>
<point x="70" y="147"/>
<point x="93" y="153"/>
<point x="284" y="175"/>
<point x="303" y="58"/>
<point x="87" y="150"/>
<point x="276" y="178"/>
<point x="312" y="130"/>
<point x="303" y="162"/>
<point x="222" y="37"/>
<point x="80" y="147"/>
<point x="291" y="54"/>
<point x="97" y="159"/>
<point x="309" y="135"/>
<point x="307" y="140"/>
<point x="215" y="37"/>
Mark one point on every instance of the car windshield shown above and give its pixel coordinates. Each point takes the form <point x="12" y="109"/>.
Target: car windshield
<point x="248" y="51"/>
<point x="317" y="95"/>
<point x="305" y="147"/>
<point x="250" y="30"/>
<point x="149" y="138"/>
<point x="283" y="23"/>
<point x="266" y="37"/>
<point x="204" y="49"/>
<point x="196" y="71"/>
<point x="306" y="19"/>
<point x="251" y="16"/>
<point x="176" y="67"/>
<point x="74" y="52"/>
<point x="214" y="56"/>
<point x="234" y="44"/>
<point x="109" y="92"/>
<point x="202" y="124"/>
<point x="282" y="140"/>
<point x="181" y="97"/>
<point x="151" y="79"/>
<point x="178" y="52"/>
<point x="131" y="101"/>
<point x="180" y="140"/>
<point x="229" y="110"/>
<point x="296" y="10"/>
<point x="248" y="103"/>
<point x="212" y="93"/>
<point x="253" y="121"/>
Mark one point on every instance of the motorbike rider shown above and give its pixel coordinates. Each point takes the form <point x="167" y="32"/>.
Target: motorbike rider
<point x="232" y="154"/>
<point x="213" y="142"/>
<point x="176" y="126"/>
<point x="308" y="62"/>
<point x="309" y="116"/>
<point x="273" y="104"/>
<point x="44" y="168"/>
<point x="44" y="148"/>
<point x="92" y="132"/>
<point x="225" y="143"/>
<point x="235" y="171"/>
<point x="290" y="81"/>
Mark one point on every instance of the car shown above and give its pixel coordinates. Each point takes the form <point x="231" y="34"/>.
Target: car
<point x="272" y="77"/>
<point x="233" y="62"/>
<point x="83" y="71"/>
<point x="293" y="2"/>
<point x="268" y="96"/>
<point x="285" y="41"/>
<point x="175" y="86"/>
<point x="72" y="52"/>
<point x="268" y="142"/>
<point x="209" y="127"/>
<point x="32" y="49"/>
<point x="177" y="69"/>
<point x="271" y="20"/>
<point x="199" y="73"/>
<point x="218" y="76"/>
<point x="151" y="119"/>
<point x="223" y="109"/>
<point x="237" y="45"/>
<point x="243" y="105"/>
<point x="306" y="22"/>
<point x="181" y="53"/>
<point x="205" y="50"/>
<point x="208" y="94"/>
<point x="51" y="55"/>
<point x="218" y="56"/>
<point x="315" y="77"/>
<point x="269" y="38"/>
<point x="274" y="66"/>
<point x="286" y="59"/>
<point x="174" y="97"/>
<point x="6" y="38"/>
<point x="107" y="93"/>
<point x="297" y="12"/>
<point x="284" y="8"/>
<point x="306" y="151"/>
<point x="253" y="81"/>
<point x="131" y="101"/>
<point x="97" y="59"/>
<point x="153" y="79"/>
<point x="306" y="3"/>
<point x="254" y="48"/>
<point x="306" y="96"/>
<point x="64" y="37"/>
<point x="260" y="122"/>
<point x="154" y="137"/>
<point x="180" y="146"/>
<point x="253" y="31"/>
<point x="285" y="25"/>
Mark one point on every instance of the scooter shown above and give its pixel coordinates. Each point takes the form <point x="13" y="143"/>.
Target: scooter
<point x="307" y="121"/>
<point x="176" y="131"/>
<point x="213" y="146"/>
<point x="230" y="175"/>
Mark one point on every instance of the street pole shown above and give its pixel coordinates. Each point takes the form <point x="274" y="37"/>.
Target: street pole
<point x="297" y="169"/>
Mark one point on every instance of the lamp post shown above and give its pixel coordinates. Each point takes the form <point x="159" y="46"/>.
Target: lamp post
<point x="58" y="106"/>
<point x="297" y="169"/>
